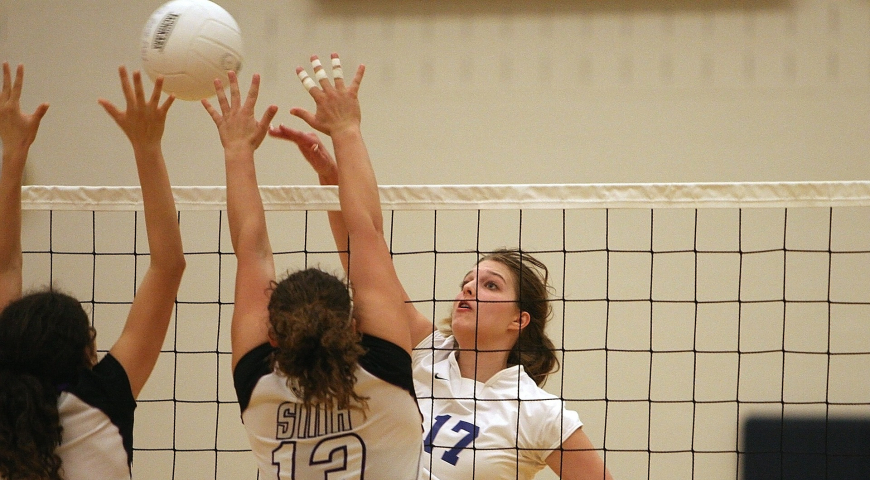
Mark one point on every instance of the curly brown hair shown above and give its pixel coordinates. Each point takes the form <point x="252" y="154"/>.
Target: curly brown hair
<point x="533" y="350"/>
<point x="45" y="341"/>
<point x="317" y="346"/>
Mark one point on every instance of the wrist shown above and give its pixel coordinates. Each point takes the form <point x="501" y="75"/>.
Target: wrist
<point x="346" y="132"/>
<point x="328" y="178"/>
<point x="238" y="153"/>
<point x="241" y="148"/>
<point x="146" y="150"/>
<point x="14" y="160"/>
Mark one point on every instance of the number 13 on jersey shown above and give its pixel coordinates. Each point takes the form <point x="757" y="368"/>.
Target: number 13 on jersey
<point x="342" y="457"/>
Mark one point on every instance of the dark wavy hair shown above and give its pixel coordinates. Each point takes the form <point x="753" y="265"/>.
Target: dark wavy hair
<point x="45" y="341"/>
<point x="317" y="347"/>
<point x="533" y="350"/>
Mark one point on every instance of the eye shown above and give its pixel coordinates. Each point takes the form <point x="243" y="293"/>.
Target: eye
<point x="491" y="285"/>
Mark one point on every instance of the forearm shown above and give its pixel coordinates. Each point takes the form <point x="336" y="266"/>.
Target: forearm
<point x="358" y="189"/>
<point x="17" y="133"/>
<point x="10" y="227"/>
<point x="245" y="213"/>
<point x="161" y="216"/>
<point x="336" y="220"/>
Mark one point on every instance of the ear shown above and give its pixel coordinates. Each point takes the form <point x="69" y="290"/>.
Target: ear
<point x="272" y="341"/>
<point x="522" y="321"/>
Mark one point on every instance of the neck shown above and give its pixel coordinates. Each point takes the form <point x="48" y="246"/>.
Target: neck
<point x="481" y="366"/>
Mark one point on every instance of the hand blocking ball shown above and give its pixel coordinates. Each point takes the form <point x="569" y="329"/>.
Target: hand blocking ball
<point x="190" y="43"/>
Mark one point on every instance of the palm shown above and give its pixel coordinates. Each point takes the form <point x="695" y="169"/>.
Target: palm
<point x="311" y="147"/>
<point x="144" y="119"/>
<point x="17" y="129"/>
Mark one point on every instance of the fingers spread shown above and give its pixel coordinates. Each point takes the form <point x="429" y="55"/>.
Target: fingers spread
<point x="125" y="85"/>
<point x="268" y="115"/>
<point x="137" y="87"/>
<point x="221" y="96"/>
<point x="19" y="80"/>
<point x="110" y="108"/>
<point x="319" y="72"/>
<point x="307" y="82"/>
<point x="168" y="103"/>
<point x="337" y="72"/>
<point x="7" y="80"/>
<point x="40" y="112"/>
<point x="215" y="116"/>
<point x="158" y="89"/>
<point x="253" y="92"/>
<point x="357" y="79"/>
<point x="234" y="88"/>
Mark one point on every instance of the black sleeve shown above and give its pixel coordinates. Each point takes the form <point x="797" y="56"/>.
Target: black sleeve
<point x="251" y="367"/>
<point x="107" y="388"/>
<point x="389" y="362"/>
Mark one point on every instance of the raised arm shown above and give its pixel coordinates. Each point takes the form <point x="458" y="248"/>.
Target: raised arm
<point x="143" y="121"/>
<point x="327" y="173"/>
<point x="17" y="133"/>
<point x="379" y="300"/>
<point x="240" y="135"/>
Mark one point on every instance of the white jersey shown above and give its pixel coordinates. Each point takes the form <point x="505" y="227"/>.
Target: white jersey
<point x="294" y="442"/>
<point x="504" y="428"/>
<point x="97" y="418"/>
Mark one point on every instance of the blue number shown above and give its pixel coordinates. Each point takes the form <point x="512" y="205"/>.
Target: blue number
<point x="440" y="420"/>
<point x="451" y="456"/>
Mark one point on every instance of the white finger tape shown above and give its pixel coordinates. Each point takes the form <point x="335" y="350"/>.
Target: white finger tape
<point x="336" y="68"/>
<point x="307" y="82"/>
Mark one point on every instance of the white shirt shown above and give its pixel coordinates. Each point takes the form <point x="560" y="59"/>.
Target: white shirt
<point x="291" y="441"/>
<point x="97" y="419"/>
<point x="504" y="428"/>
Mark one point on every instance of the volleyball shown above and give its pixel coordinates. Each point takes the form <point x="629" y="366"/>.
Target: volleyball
<point x="190" y="43"/>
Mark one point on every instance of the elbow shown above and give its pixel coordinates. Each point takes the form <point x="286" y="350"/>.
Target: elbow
<point x="180" y="263"/>
<point x="174" y="265"/>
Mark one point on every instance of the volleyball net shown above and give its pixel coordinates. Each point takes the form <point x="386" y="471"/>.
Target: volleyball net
<point x="704" y="331"/>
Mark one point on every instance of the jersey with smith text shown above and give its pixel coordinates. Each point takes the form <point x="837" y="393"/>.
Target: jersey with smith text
<point x="291" y="441"/>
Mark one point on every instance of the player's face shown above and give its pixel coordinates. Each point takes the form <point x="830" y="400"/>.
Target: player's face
<point x="486" y="304"/>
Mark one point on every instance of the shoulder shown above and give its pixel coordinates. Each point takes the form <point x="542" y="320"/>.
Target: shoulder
<point x="104" y="386"/>
<point x="433" y="343"/>
<point x="387" y="361"/>
<point x="546" y="419"/>
<point x="251" y="367"/>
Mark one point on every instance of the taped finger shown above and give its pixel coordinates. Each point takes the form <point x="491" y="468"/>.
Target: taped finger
<point x="307" y="81"/>
<point x="336" y="68"/>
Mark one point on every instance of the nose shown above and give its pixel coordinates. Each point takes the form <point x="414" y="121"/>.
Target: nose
<point x="468" y="287"/>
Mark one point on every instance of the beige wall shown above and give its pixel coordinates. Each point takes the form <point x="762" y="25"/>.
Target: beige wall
<point x="491" y="91"/>
<point x="499" y="92"/>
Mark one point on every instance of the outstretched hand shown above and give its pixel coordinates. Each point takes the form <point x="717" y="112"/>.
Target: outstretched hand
<point x="235" y="121"/>
<point x="337" y="105"/>
<point x="312" y="149"/>
<point x="17" y="130"/>
<point x="144" y="120"/>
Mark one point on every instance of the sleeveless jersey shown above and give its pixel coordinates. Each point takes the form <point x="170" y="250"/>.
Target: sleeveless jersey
<point x="290" y="441"/>
<point x="504" y="428"/>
